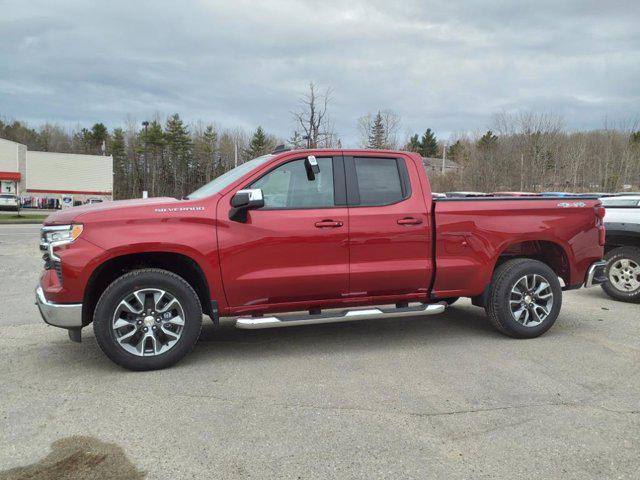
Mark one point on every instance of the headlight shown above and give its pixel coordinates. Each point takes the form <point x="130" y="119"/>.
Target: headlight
<point x="61" y="233"/>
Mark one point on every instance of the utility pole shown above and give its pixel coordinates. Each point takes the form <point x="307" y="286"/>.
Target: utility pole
<point x="235" y="154"/>
<point x="145" y="124"/>
<point x="522" y="172"/>
<point x="444" y="156"/>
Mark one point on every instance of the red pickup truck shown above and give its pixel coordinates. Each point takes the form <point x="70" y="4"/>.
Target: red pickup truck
<point x="309" y="231"/>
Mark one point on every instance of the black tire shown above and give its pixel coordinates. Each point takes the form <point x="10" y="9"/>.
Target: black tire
<point x="498" y="306"/>
<point x="450" y="300"/>
<point x="613" y="257"/>
<point x="141" y="279"/>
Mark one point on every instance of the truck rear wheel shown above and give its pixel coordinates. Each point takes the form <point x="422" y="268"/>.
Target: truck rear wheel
<point x="147" y="319"/>
<point x="623" y="274"/>
<point x="524" y="298"/>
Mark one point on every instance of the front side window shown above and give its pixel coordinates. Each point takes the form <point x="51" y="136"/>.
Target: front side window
<point x="379" y="181"/>
<point x="288" y="186"/>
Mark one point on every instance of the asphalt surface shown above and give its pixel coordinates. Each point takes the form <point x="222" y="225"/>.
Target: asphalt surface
<point x="434" y="397"/>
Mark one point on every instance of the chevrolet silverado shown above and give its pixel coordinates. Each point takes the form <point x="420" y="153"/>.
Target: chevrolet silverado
<point x="338" y="235"/>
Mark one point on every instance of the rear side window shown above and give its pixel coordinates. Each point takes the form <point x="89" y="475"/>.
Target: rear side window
<point x="381" y="181"/>
<point x="289" y="187"/>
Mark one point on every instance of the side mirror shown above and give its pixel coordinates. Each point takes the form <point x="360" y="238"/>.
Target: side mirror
<point x="243" y="201"/>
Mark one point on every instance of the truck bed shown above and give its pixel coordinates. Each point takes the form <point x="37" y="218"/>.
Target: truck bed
<point x="473" y="234"/>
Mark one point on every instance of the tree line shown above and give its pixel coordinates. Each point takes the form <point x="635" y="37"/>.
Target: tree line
<point x="535" y="152"/>
<point x="526" y="151"/>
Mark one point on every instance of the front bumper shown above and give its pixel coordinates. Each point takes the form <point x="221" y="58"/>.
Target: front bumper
<point x="595" y="274"/>
<point x="63" y="315"/>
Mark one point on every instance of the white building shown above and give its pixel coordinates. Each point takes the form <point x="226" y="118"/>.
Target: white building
<point x="40" y="175"/>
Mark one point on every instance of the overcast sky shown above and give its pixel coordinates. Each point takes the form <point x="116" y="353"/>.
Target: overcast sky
<point x="448" y="65"/>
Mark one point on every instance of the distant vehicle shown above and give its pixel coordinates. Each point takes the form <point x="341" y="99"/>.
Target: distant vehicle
<point x="515" y="194"/>
<point x="9" y="202"/>
<point x="596" y="194"/>
<point x="92" y="201"/>
<point x="559" y="194"/>
<point x="466" y="194"/>
<point x="627" y="194"/>
<point x="622" y="247"/>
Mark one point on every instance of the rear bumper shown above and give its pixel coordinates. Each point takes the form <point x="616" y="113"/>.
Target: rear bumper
<point x="63" y="315"/>
<point x="595" y="274"/>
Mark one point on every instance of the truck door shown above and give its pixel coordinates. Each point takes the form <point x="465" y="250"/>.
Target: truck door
<point x="295" y="248"/>
<point x="390" y="229"/>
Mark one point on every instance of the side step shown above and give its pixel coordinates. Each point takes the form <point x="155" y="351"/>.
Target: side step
<point x="343" y="316"/>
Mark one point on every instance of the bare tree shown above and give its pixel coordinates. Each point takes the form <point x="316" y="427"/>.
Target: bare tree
<point x="312" y="120"/>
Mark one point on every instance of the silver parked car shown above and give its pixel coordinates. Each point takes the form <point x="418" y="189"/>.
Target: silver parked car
<point x="9" y="202"/>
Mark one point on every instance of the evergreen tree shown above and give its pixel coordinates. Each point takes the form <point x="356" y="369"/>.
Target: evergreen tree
<point x="118" y="150"/>
<point x="428" y="144"/>
<point x="213" y="167"/>
<point x="377" y="134"/>
<point x="21" y="133"/>
<point x="413" y="145"/>
<point x="259" y="144"/>
<point x="99" y="134"/>
<point x="455" y="151"/>
<point x="296" y="141"/>
<point x="83" y="141"/>
<point x="488" y="141"/>
<point x="179" y="152"/>
<point x="152" y="165"/>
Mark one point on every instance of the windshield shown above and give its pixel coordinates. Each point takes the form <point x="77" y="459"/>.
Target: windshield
<point x="217" y="184"/>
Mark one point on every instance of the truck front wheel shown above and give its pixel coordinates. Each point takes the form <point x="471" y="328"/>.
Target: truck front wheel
<point x="524" y="298"/>
<point x="147" y="319"/>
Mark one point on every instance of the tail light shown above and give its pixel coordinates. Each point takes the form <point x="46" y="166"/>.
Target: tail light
<point x="602" y="232"/>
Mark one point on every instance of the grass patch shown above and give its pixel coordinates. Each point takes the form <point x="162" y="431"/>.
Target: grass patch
<point x="25" y="217"/>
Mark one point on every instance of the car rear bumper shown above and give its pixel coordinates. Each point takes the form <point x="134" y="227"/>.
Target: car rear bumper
<point x="63" y="315"/>
<point x="595" y="274"/>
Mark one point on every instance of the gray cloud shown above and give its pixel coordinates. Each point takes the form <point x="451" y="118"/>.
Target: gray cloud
<point x="447" y="65"/>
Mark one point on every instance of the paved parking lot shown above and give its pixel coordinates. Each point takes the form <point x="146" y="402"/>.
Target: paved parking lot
<point x="433" y="397"/>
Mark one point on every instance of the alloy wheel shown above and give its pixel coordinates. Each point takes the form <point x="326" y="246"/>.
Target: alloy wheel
<point x="531" y="300"/>
<point x="148" y="322"/>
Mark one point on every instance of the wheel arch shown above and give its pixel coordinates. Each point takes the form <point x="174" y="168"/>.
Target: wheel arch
<point x="621" y="238"/>
<point x="548" y="252"/>
<point x="182" y="265"/>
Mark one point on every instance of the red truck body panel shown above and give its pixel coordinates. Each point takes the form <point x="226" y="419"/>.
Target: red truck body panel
<point x="280" y="260"/>
<point x="471" y="236"/>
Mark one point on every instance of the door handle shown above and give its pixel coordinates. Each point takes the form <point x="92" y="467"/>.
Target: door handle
<point x="409" y="221"/>
<point x="328" y="224"/>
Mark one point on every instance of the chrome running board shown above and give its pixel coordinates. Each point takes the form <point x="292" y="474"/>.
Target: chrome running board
<point x="334" y="317"/>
